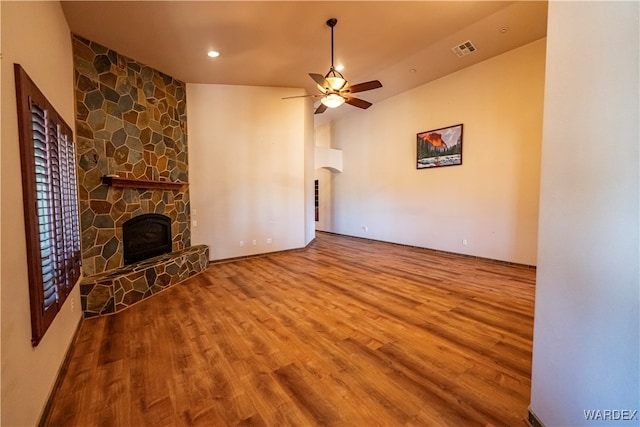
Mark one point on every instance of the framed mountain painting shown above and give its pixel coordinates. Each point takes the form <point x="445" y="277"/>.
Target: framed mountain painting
<point x="439" y="147"/>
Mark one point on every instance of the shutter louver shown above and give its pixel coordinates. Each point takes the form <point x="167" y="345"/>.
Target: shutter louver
<point x="56" y="194"/>
<point x="44" y="199"/>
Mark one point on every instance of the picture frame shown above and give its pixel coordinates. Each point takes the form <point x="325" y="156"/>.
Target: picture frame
<point x="439" y="147"/>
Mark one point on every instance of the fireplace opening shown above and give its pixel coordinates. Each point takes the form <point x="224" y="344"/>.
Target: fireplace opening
<point x="146" y="236"/>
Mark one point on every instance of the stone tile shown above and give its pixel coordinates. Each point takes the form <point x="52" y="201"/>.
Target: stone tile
<point x="82" y="50"/>
<point x="132" y="297"/>
<point x="99" y="297"/>
<point x="125" y="103"/>
<point x="115" y="261"/>
<point x="113" y="109"/>
<point x="110" y="248"/>
<point x="95" y="47"/>
<point x="84" y="130"/>
<point x="99" y="263"/>
<point x="131" y="129"/>
<point x="123" y="87"/>
<point x="97" y="120"/>
<point x="85" y="68"/>
<point x="90" y="254"/>
<point x="140" y="282"/>
<point x="93" y="100"/>
<point x="108" y="79"/>
<point x="104" y="221"/>
<point x="99" y="193"/>
<point x="89" y="235"/>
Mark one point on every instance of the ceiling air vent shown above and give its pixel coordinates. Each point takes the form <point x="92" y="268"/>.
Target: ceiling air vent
<point x="464" y="49"/>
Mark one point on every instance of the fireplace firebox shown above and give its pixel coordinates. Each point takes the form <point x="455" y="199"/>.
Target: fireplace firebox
<point x="146" y="236"/>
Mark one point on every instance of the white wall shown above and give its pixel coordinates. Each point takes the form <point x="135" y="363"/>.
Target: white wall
<point x="491" y="200"/>
<point x="585" y="348"/>
<point x="36" y="35"/>
<point x="250" y="174"/>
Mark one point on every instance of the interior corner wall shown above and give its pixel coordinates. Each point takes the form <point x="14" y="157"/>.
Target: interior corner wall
<point x="490" y="201"/>
<point x="309" y="181"/>
<point x="322" y="138"/>
<point x="248" y="169"/>
<point x="35" y="35"/>
<point x="586" y="351"/>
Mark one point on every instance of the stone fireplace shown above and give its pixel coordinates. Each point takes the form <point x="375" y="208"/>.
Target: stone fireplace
<point x="132" y="162"/>
<point x="130" y="123"/>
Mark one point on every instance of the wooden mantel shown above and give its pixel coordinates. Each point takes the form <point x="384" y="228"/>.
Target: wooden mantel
<point x="115" y="181"/>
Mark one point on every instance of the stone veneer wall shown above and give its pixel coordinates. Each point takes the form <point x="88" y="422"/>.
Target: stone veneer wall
<point x="130" y="121"/>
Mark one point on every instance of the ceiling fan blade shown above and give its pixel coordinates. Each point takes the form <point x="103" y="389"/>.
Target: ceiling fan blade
<point x="361" y="87"/>
<point x="302" y="96"/>
<point x="321" y="108"/>
<point x="360" y="103"/>
<point x="320" y="80"/>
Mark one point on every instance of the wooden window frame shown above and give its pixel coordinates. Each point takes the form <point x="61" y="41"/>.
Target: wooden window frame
<point x="50" y="199"/>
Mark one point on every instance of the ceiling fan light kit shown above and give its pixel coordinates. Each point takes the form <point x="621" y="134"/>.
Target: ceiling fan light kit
<point x="332" y="100"/>
<point x="334" y="88"/>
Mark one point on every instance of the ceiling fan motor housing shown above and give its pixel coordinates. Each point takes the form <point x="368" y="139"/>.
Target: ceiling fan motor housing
<point x="336" y="81"/>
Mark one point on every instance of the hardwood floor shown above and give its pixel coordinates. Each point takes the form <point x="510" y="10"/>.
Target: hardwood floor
<point x="347" y="332"/>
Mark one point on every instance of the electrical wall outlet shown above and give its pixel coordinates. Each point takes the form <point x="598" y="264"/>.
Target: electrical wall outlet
<point x="241" y="243"/>
<point x="269" y="240"/>
<point x="255" y="242"/>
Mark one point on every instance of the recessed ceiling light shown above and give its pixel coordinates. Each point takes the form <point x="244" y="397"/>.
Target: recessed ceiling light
<point x="504" y="29"/>
<point x="413" y="70"/>
<point x="340" y="67"/>
<point x="213" y="54"/>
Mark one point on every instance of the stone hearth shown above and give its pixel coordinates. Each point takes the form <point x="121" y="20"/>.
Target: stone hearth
<point x="113" y="291"/>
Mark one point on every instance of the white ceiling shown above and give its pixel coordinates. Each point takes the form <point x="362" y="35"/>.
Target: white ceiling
<point x="269" y="43"/>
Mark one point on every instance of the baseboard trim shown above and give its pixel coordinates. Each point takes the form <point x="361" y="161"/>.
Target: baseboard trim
<point x="534" y="420"/>
<point x="260" y="255"/>
<point x="497" y="261"/>
<point x="60" y="377"/>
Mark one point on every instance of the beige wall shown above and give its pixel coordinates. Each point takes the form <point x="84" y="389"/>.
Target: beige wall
<point x="491" y="200"/>
<point x="309" y="177"/>
<point x="586" y="348"/>
<point x="249" y="171"/>
<point x="35" y="35"/>
<point x="322" y="138"/>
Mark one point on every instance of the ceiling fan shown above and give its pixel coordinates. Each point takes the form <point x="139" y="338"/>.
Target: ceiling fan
<point x="335" y="89"/>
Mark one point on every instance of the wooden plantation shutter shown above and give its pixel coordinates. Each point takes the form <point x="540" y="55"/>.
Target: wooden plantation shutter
<point x="69" y="207"/>
<point x="47" y="156"/>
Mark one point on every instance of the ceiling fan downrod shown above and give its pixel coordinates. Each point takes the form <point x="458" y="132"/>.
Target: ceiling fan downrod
<point x="335" y="79"/>
<point x="332" y="23"/>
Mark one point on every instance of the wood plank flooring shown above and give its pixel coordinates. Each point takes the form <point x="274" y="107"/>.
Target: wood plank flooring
<point x="347" y="332"/>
